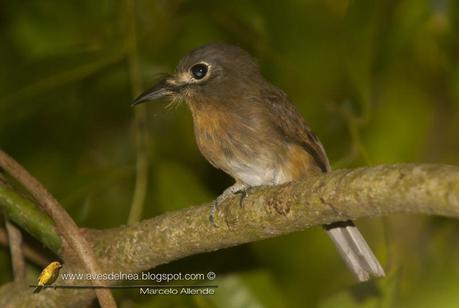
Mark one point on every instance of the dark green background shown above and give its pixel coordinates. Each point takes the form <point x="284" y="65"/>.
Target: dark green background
<point x="377" y="80"/>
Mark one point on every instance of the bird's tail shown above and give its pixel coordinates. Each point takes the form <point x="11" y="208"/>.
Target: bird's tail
<point x="354" y="250"/>
<point x="37" y="289"/>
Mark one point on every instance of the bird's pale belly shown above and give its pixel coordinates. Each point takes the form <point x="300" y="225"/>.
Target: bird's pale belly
<point x="248" y="161"/>
<point x="256" y="173"/>
<point x="285" y="164"/>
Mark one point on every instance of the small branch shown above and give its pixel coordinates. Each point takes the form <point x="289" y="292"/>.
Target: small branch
<point x="140" y="120"/>
<point x="17" y="257"/>
<point x="29" y="253"/>
<point x="14" y="239"/>
<point x="64" y="223"/>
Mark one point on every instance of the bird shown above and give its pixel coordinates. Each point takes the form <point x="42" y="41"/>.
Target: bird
<point x="249" y="128"/>
<point x="48" y="275"/>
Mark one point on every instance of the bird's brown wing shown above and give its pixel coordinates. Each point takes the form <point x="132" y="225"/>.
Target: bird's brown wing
<point x="291" y="125"/>
<point x="347" y="238"/>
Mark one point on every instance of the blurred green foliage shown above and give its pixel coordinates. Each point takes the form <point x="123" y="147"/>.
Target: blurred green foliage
<point x="377" y="80"/>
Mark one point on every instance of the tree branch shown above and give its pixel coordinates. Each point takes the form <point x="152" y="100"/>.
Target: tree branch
<point x="273" y="211"/>
<point x="17" y="256"/>
<point x="26" y="214"/>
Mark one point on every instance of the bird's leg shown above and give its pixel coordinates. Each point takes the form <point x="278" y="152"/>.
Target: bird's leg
<point x="230" y="191"/>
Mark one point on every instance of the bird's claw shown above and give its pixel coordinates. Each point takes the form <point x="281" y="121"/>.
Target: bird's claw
<point x="232" y="190"/>
<point x="244" y="194"/>
<point x="213" y="212"/>
<point x="215" y="207"/>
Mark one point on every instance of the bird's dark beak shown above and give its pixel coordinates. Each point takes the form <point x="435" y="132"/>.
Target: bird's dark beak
<point x="164" y="87"/>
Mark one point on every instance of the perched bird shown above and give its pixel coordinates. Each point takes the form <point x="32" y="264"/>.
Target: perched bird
<point x="248" y="128"/>
<point x="48" y="275"/>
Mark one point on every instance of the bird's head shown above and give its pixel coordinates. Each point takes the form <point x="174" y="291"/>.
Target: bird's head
<point x="54" y="265"/>
<point x="211" y="73"/>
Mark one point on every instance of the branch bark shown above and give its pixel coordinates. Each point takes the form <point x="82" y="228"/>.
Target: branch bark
<point x="17" y="255"/>
<point x="273" y="211"/>
<point x="27" y="215"/>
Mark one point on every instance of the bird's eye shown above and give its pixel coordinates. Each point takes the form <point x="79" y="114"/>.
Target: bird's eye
<point x="199" y="70"/>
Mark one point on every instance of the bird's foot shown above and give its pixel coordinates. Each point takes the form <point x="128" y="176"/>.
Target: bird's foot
<point x="244" y="192"/>
<point x="230" y="191"/>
